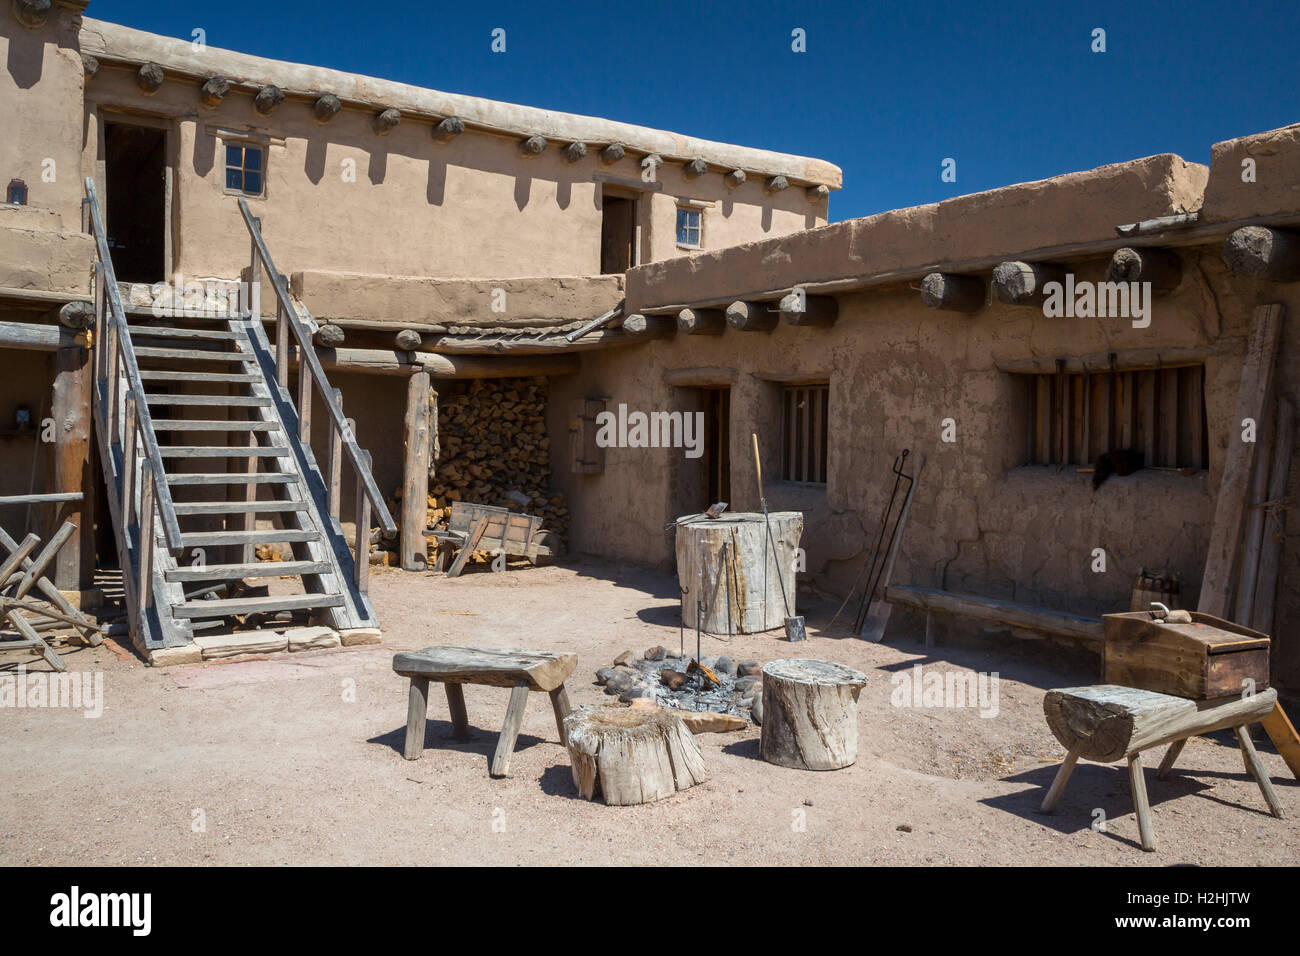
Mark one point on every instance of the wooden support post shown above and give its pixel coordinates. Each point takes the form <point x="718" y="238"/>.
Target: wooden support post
<point x="799" y="308"/>
<point x="1275" y="520"/>
<point x="304" y="404"/>
<point x="334" y="462"/>
<point x="1171" y="756"/>
<point x="71" y="410"/>
<point x="362" y="577"/>
<point x="560" y="705"/>
<point x="415" y="482"/>
<point x="1252" y="544"/>
<point x="1252" y="399"/>
<point x="145" y="588"/>
<point x="1163" y="268"/>
<point x="952" y="293"/>
<point x="752" y="316"/>
<point x="1021" y="283"/>
<point x="129" y="464"/>
<point x="701" y="321"/>
<point x="281" y="345"/>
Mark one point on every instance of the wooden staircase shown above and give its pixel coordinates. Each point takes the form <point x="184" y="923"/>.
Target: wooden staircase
<point x="206" y="457"/>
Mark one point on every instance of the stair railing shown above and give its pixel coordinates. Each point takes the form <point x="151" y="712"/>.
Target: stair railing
<point x="124" y="411"/>
<point x="290" y="329"/>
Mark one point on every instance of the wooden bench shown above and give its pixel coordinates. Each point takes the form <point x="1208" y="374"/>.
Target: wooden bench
<point x="1107" y="722"/>
<point x="1008" y="614"/>
<point x="474" y="527"/>
<point x="452" y="666"/>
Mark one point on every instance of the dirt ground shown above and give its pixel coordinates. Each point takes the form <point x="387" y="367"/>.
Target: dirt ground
<point x="296" y="759"/>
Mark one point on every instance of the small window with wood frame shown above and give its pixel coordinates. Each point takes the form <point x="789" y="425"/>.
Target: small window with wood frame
<point x="690" y="227"/>
<point x="245" y="169"/>
<point x="804" y="415"/>
<point x="1074" y="418"/>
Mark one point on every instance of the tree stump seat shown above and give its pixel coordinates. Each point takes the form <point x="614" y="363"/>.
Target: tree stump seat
<point x="810" y="714"/>
<point x="520" y="670"/>
<point x="631" y="756"/>
<point x="1108" y="722"/>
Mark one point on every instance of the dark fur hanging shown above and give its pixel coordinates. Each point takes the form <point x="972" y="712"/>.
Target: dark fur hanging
<point x="1123" y="462"/>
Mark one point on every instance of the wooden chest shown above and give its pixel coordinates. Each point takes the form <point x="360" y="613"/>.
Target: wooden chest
<point x="1203" y="660"/>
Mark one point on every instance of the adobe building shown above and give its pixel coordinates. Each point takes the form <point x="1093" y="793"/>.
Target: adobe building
<point x="479" y="280"/>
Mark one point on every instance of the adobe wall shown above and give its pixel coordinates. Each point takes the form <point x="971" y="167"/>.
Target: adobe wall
<point x="342" y="198"/>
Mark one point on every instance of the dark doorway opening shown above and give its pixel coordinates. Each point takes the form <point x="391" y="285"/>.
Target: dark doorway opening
<point x="617" y="234"/>
<point x="717" y="443"/>
<point x="136" y="197"/>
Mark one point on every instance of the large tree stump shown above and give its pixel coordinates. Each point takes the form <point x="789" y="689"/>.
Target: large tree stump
<point x="810" y="714"/>
<point x="758" y="569"/>
<point x="631" y="756"/>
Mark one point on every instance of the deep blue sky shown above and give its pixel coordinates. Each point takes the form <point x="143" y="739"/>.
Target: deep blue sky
<point x="1009" y="89"/>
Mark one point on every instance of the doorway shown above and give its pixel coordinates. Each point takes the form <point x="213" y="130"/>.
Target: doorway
<point x="717" y="444"/>
<point x="135" y="200"/>
<point x="618" y="215"/>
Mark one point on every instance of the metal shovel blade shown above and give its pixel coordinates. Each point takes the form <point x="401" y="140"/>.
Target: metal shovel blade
<point x="873" y="628"/>
<point x="794" y="630"/>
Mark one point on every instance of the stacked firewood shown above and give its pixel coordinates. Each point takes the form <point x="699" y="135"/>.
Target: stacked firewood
<point x="493" y="450"/>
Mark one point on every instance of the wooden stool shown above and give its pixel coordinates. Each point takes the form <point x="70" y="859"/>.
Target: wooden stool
<point x="1108" y="723"/>
<point x="452" y="666"/>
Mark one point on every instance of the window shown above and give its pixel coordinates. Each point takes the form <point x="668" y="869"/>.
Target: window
<point x="16" y="194"/>
<point x="803" y="425"/>
<point x="1076" y="417"/>
<point x="688" y="227"/>
<point x="245" y="168"/>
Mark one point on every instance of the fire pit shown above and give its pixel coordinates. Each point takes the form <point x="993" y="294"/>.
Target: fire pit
<point x="679" y="682"/>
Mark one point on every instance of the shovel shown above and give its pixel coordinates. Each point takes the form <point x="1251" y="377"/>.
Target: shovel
<point x="878" y="612"/>
<point x="794" y="624"/>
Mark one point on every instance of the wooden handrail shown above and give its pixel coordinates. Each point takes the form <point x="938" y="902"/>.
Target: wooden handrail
<point x="135" y="387"/>
<point x="309" y="363"/>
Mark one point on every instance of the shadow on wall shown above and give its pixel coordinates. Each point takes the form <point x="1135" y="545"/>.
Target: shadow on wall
<point x="26" y="57"/>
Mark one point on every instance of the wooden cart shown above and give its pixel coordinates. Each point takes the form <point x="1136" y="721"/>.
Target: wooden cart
<point x="474" y="527"/>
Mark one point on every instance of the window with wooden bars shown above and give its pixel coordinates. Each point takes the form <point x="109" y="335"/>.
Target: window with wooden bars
<point x="1075" y="417"/>
<point x="804" y="416"/>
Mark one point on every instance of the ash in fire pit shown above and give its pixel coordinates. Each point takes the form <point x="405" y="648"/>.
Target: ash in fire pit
<point x="718" y="684"/>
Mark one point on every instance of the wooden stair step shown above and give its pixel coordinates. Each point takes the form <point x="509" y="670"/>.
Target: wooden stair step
<point x="238" y="507"/>
<point x="231" y="478"/>
<point x="245" y="401"/>
<point x="193" y="355"/>
<point x="259" y="569"/>
<point x="163" y="375"/>
<point x="223" y="451"/>
<point x="158" y="331"/>
<point x="210" y="425"/>
<point x="226" y="608"/>
<point x="200" y="539"/>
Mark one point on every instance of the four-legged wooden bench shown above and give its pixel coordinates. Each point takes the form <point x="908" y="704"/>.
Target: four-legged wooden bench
<point x="1108" y="723"/>
<point x="452" y="666"/>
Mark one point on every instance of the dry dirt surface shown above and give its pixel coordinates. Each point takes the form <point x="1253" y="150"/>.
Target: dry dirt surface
<point x="296" y="759"/>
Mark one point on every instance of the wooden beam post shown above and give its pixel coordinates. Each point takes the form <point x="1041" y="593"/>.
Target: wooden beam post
<point x="701" y="321"/>
<point x="1239" y="462"/>
<point x="647" y="326"/>
<point x="75" y="565"/>
<point x="1021" y="283"/>
<point x="952" y="293"/>
<point x="415" y="484"/>
<point x="1163" y="268"/>
<point x="752" y="316"/>
<point x="1263" y="253"/>
<point x="799" y="308"/>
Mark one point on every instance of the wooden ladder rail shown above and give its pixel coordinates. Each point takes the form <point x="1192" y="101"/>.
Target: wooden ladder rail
<point x="291" y="331"/>
<point x="123" y="411"/>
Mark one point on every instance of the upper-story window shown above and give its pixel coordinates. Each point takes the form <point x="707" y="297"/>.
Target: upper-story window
<point x="245" y="169"/>
<point x="688" y="227"/>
